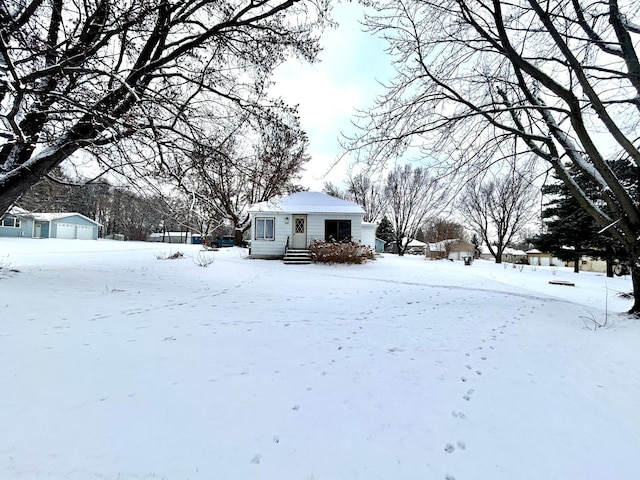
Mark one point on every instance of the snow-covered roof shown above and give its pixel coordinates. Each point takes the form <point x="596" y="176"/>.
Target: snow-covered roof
<point x="307" y="202"/>
<point x="47" y="217"/>
<point x="413" y="243"/>
<point x="507" y="251"/>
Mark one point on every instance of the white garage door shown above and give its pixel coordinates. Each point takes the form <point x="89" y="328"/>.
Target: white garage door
<point x="66" y="230"/>
<point x="84" y="232"/>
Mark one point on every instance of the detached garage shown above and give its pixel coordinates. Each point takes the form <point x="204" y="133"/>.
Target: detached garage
<point x="20" y="223"/>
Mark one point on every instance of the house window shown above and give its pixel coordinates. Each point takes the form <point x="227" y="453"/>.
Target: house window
<point x="265" y="228"/>
<point x="337" y="230"/>
<point x="11" y="222"/>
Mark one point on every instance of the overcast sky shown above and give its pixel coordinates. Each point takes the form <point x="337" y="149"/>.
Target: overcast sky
<point x="345" y="78"/>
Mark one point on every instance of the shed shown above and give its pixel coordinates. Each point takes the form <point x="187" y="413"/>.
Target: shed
<point x="544" y="259"/>
<point x="69" y="225"/>
<point x="296" y="220"/>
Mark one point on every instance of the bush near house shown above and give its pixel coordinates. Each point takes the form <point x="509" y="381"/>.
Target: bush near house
<point x="340" y="252"/>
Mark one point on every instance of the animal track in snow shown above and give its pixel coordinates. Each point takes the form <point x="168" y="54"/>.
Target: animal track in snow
<point x="449" y="448"/>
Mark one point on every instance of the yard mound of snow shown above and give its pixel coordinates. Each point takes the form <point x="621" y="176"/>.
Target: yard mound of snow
<point x="121" y="363"/>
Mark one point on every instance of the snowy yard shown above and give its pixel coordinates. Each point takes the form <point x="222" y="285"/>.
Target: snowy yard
<point x="118" y="365"/>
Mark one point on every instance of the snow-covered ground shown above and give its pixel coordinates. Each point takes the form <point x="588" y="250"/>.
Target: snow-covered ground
<point x="118" y="365"/>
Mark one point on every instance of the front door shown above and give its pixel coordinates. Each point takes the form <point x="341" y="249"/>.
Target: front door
<point x="299" y="231"/>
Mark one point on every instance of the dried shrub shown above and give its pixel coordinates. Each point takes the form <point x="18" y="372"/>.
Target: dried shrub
<point x="340" y="252"/>
<point x="204" y="258"/>
<point x="172" y="256"/>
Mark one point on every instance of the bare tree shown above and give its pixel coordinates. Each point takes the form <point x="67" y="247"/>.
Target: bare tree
<point x="413" y="196"/>
<point x="563" y="76"/>
<point x="132" y="82"/>
<point x="225" y="179"/>
<point x="499" y="208"/>
<point x="364" y="191"/>
<point x="445" y="233"/>
<point x="369" y="194"/>
<point x="439" y="228"/>
<point x="334" y="190"/>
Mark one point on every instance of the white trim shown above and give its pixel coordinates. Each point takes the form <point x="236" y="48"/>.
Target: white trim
<point x="264" y="229"/>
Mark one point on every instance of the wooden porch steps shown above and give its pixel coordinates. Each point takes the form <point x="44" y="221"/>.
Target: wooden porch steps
<point x="297" y="257"/>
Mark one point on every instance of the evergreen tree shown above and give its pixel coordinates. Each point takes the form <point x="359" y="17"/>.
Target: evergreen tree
<point x="385" y="230"/>
<point x="570" y="231"/>
<point x="475" y="241"/>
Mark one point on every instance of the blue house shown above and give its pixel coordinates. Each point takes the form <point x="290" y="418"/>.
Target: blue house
<point x="21" y="223"/>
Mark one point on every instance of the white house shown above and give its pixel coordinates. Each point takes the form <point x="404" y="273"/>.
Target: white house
<point x="295" y="221"/>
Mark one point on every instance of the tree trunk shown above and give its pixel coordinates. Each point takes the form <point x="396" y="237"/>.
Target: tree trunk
<point x="635" y="279"/>
<point x="576" y="263"/>
<point x="609" y="259"/>
<point x="499" y="255"/>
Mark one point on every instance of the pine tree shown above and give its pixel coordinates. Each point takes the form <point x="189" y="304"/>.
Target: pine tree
<point x="570" y="232"/>
<point x="385" y="230"/>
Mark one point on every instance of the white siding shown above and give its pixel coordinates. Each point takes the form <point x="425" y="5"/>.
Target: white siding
<point x="284" y="229"/>
<point x="369" y="235"/>
<point x="271" y="248"/>
<point x="315" y="225"/>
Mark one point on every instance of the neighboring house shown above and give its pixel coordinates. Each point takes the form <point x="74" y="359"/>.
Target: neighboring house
<point x="380" y="244"/>
<point x="509" y="255"/>
<point x="295" y="221"/>
<point x="459" y="250"/>
<point x="21" y="223"/>
<point x="451" y="249"/>
<point x="485" y="254"/>
<point x="412" y="246"/>
<point x="591" y="264"/>
<point x="415" y="247"/>
<point x="544" y="259"/>
<point x="513" y="255"/>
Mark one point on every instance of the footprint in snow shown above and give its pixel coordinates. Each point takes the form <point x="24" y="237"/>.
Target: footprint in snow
<point x="449" y="448"/>
<point x="256" y="458"/>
